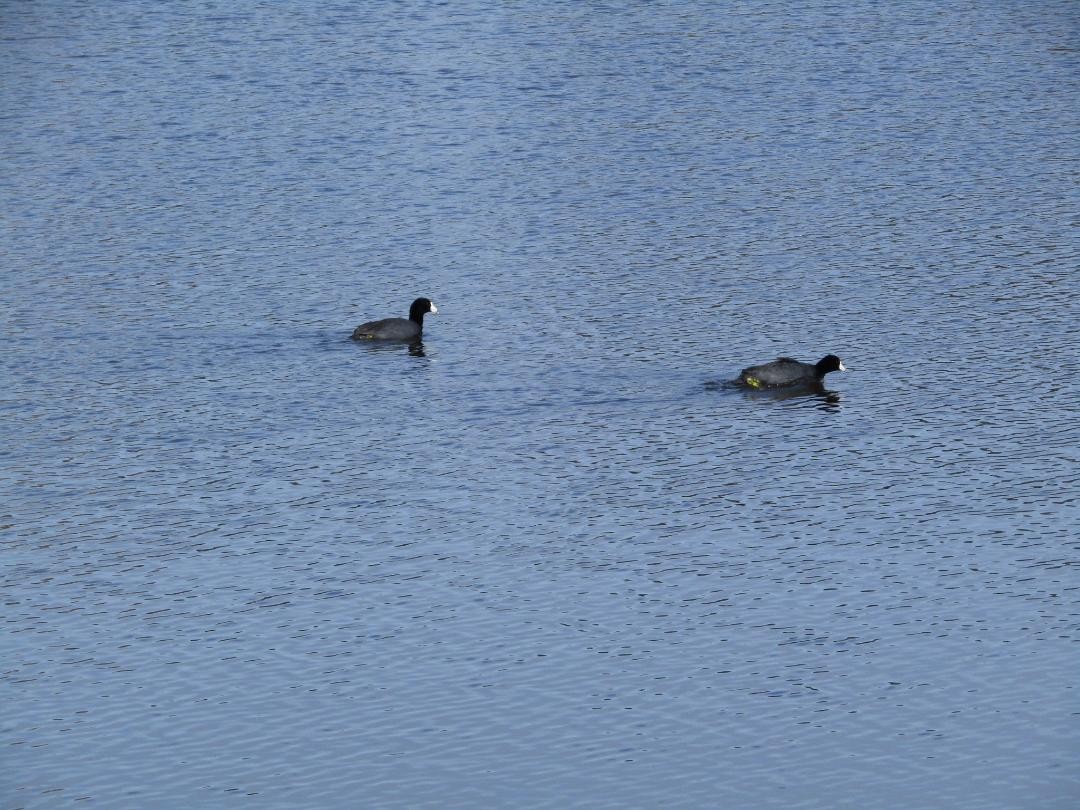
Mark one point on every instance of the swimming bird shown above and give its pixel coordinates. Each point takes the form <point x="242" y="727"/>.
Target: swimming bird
<point x="786" y="372"/>
<point x="409" y="328"/>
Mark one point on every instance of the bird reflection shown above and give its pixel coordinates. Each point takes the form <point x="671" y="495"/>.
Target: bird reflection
<point x="816" y="393"/>
<point x="825" y="399"/>
<point x="414" y="348"/>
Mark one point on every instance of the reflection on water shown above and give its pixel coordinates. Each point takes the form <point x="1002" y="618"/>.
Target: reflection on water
<point x="551" y="569"/>
<point x="814" y="392"/>
<point x="809" y="390"/>
<point x="414" y="348"/>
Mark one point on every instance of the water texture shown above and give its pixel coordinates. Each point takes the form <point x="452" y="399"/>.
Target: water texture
<point x="548" y="559"/>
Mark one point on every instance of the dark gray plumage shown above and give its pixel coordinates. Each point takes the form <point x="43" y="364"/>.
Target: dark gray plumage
<point x="785" y="371"/>
<point x="410" y="328"/>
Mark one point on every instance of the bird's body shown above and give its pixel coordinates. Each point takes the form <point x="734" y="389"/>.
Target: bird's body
<point x="784" y="371"/>
<point x="411" y="328"/>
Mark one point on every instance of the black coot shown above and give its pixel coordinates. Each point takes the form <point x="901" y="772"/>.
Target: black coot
<point x="784" y="372"/>
<point x="409" y="328"/>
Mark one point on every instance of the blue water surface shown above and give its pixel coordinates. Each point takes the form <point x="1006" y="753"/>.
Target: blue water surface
<point x="548" y="559"/>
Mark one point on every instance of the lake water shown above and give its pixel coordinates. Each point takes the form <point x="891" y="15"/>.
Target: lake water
<point x="550" y="560"/>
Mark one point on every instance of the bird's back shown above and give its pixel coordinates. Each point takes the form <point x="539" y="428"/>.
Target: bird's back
<point x="387" y="329"/>
<point x="781" y="371"/>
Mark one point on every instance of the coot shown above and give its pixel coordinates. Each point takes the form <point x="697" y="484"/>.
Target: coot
<point x="397" y="328"/>
<point x="784" y="372"/>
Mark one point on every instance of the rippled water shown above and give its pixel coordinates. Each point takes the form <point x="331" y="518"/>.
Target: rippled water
<point x="551" y="560"/>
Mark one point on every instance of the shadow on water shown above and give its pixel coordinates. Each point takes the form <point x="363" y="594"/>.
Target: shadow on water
<point x="825" y="399"/>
